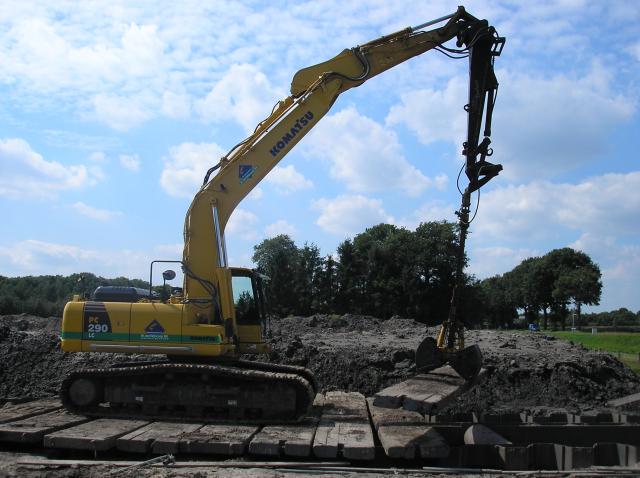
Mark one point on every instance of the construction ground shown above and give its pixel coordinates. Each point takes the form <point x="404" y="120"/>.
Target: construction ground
<point x="540" y="403"/>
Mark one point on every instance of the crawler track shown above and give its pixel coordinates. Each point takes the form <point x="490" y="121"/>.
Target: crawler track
<point x="239" y="391"/>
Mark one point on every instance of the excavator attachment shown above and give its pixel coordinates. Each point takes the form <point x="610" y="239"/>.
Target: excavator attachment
<point x="467" y="361"/>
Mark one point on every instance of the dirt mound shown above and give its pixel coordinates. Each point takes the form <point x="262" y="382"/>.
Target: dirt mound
<point x="531" y="370"/>
<point x="357" y="353"/>
<point x="525" y="370"/>
<point x="33" y="364"/>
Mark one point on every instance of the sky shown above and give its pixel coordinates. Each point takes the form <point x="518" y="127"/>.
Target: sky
<point x="111" y="112"/>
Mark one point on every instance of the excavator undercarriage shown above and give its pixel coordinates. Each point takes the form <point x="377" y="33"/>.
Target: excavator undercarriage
<point x="230" y="390"/>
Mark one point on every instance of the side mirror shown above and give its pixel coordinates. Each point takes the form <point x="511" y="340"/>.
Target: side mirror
<point x="169" y="274"/>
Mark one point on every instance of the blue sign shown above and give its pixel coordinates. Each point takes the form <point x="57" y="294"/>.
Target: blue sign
<point x="245" y="171"/>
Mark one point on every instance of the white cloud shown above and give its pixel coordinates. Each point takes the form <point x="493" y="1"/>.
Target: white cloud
<point x="34" y="257"/>
<point x="542" y="126"/>
<point x="243" y="94"/>
<point x="49" y="56"/>
<point x="620" y="267"/>
<point x="176" y="105"/>
<point x="280" y="227"/>
<point x="98" y="157"/>
<point x="350" y="214"/>
<point x="430" y="211"/>
<point x="120" y="112"/>
<point x="489" y="261"/>
<point x="287" y="179"/>
<point x="28" y="256"/>
<point x="432" y="114"/>
<point x="66" y="139"/>
<point x="95" y="213"/>
<point x="130" y="162"/>
<point x="242" y="224"/>
<point x="539" y="210"/>
<point x="365" y="155"/>
<point x="26" y="174"/>
<point x="186" y="166"/>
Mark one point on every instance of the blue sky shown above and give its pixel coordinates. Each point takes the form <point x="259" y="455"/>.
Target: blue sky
<point x="110" y="113"/>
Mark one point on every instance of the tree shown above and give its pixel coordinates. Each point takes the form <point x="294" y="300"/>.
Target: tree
<point x="575" y="278"/>
<point x="307" y="267"/>
<point x="325" y="300"/>
<point x="436" y="246"/>
<point x="276" y="258"/>
<point x="499" y="309"/>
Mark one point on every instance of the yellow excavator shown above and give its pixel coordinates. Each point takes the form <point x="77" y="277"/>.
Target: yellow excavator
<point x="218" y="315"/>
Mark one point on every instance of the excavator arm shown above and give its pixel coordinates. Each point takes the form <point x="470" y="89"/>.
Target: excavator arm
<point x="313" y="92"/>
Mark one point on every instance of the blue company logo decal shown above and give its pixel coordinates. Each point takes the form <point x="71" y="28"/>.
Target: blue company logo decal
<point x="245" y="171"/>
<point x="154" y="331"/>
<point x="297" y="127"/>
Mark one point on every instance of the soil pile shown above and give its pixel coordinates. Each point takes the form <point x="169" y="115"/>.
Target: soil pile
<point x="32" y="364"/>
<point x="525" y="370"/>
<point x="357" y="353"/>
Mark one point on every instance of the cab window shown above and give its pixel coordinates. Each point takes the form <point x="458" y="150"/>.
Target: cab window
<point x="244" y="300"/>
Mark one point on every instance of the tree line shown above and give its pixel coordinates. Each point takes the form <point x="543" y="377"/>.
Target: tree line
<point x="543" y="288"/>
<point x="47" y="295"/>
<point x="384" y="271"/>
<point x="389" y="270"/>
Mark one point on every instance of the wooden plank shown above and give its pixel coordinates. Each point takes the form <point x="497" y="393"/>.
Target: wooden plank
<point x="97" y="435"/>
<point x="344" y="428"/>
<point x="394" y="416"/>
<point x="157" y="437"/>
<point x="218" y="439"/>
<point x="33" y="429"/>
<point x="423" y="393"/>
<point x="289" y="440"/>
<point x="11" y="412"/>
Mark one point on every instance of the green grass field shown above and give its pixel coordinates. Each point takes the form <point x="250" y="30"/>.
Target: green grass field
<point x="625" y="343"/>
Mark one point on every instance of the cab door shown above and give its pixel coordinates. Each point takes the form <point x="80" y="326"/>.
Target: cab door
<point x="248" y="310"/>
